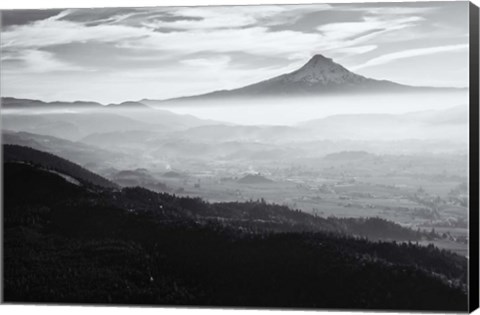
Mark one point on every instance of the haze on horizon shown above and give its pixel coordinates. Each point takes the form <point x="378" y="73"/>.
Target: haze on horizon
<point x="118" y="54"/>
<point x="292" y="111"/>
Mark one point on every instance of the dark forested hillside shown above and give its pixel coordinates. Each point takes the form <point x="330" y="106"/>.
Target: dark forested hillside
<point x="52" y="162"/>
<point x="88" y="244"/>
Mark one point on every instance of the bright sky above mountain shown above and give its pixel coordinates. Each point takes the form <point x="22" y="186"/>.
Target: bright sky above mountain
<point x="113" y="55"/>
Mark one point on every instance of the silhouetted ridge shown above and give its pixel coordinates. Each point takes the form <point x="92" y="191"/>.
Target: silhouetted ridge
<point x="15" y="153"/>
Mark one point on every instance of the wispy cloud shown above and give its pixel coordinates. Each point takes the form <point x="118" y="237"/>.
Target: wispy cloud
<point x="36" y="61"/>
<point x="396" y="9"/>
<point x="253" y="40"/>
<point x="213" y="62"/>
<point x="353" y="30"/>
<point x="363" y="35"/>
<point x="54" y="32"/>
<point x="196" y="37"/>
<point x="409" y="54"/>
<point x="218" y="47"/>
<point x="208" y="18"/>
<point x="356" y="50"/>
<point x="233" y="17"/>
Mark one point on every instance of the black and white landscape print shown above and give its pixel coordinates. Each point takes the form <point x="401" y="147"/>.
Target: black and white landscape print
<point x="280" y="156"/>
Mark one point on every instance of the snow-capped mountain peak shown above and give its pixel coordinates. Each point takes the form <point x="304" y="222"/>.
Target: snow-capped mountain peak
<point x="320" y="70"/>
<point x="319" y="76"/>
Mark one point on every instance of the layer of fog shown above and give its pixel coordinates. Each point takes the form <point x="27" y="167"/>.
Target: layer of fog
<point x="291" y="111"/>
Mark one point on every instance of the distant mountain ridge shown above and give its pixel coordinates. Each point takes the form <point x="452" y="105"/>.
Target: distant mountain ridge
<point x="129" y="105"/>
<point x="448" y="124"/>
<point x="22" y="103"/>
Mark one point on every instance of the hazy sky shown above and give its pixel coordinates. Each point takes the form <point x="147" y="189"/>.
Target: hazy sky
<point x="113" y="55"/>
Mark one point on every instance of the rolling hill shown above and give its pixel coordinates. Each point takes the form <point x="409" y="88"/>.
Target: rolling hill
<point x="77" y="152"/>
<point x="15" y="153"/>
<point x="254" y="179"/>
